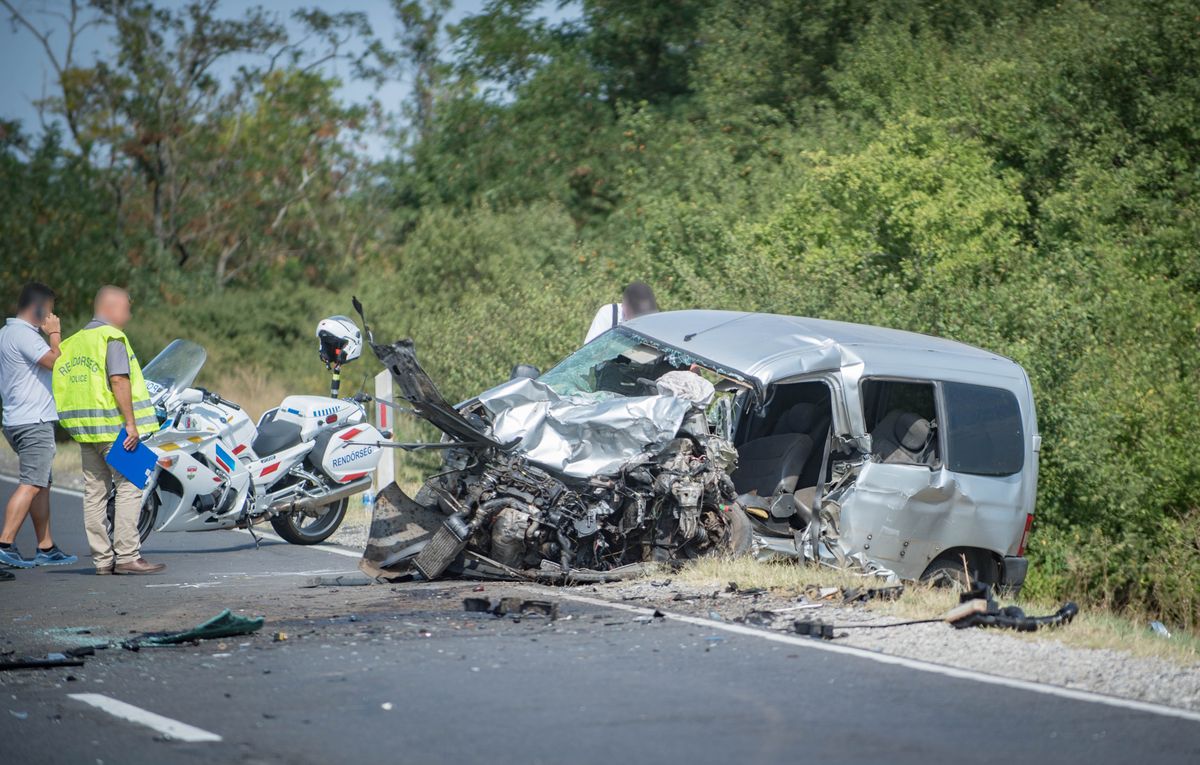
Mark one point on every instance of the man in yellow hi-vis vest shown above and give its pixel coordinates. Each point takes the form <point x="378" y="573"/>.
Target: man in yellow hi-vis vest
<point x="99" y="389"/>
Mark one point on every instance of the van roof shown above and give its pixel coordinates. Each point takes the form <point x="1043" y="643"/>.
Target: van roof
<point x="772" y="347"/>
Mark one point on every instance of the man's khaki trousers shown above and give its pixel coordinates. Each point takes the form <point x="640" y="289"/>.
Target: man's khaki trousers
<point x="98" y="477"/>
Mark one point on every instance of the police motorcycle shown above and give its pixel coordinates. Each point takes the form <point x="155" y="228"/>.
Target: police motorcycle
<point x="297" y="467"/>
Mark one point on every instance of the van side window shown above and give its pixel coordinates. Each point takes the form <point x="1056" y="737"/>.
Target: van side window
<point x="901" y="417"/>
<point x="984" y="433"/>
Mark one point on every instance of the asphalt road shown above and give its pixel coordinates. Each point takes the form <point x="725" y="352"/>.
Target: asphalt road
<point x="400" y="674"/>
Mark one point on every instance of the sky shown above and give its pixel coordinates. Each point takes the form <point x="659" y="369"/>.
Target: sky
<point x="27" y="75"/>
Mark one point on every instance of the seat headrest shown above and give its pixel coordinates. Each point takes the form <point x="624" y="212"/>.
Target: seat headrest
<point x="799" y="419"/>
<point x="912" y="431"/>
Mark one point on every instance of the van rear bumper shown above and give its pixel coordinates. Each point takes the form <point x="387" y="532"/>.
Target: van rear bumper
<point x="1012" y="574"/>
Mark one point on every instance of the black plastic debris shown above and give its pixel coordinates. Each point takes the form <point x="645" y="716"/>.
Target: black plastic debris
<point x="511" y="606"/>
<point x="981" y="610"/>
<point x="813" y="628"/>
<point x="69" y="658"/>
<point x="864" y="594"/>
<point x="734" y="589"/>
<point x="758" y="618"/>
<point x="649" y="618"/>
<point x="478" y="605"/>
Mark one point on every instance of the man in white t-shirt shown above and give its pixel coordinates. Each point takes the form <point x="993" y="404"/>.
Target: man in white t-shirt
<point x="26" y="358"/>
<point x="636" y="300"/>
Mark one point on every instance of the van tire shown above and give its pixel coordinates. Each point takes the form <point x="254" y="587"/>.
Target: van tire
<point x="947" y="570"/>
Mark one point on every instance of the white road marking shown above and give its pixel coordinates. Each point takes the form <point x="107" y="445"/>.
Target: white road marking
<point x="169" y="728"/>
<point x="900" y="661"/>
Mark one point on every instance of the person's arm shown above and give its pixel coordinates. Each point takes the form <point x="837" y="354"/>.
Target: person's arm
<point x="53" y="329"/>
<point x="123" y="392"/>
<point x="600" y="324"/>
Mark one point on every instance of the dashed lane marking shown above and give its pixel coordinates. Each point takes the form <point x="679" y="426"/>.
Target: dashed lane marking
<point x="172" y="729"/>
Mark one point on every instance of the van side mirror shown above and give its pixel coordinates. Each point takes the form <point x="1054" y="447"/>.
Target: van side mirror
<point x="524" y="370"/>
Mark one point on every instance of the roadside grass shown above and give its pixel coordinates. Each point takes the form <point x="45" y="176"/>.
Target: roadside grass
<point x="1093" y="628"/>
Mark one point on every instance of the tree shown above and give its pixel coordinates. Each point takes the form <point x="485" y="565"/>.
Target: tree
<point x="163" y="118"/>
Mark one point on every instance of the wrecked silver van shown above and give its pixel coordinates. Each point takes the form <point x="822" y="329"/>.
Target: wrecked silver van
<point x="889" y="452"/>
<point x="861" y="446"/>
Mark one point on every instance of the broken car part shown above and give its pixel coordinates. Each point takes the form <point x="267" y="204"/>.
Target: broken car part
<point x="541" y="486"/>
<point x="224" y="624"/>
<point x="511" y="606"/>
<point x="68" y="658"/>
<point x="987" y="613"/>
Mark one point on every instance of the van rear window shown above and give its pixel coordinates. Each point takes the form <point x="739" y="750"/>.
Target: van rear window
<point x="983" y="429"/>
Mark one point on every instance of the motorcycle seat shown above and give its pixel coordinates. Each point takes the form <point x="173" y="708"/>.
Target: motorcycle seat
<point x="275" y="436"/>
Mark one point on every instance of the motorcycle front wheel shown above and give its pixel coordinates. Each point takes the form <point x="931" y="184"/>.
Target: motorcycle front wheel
<point x="146" y="519"/>
<point x="301" y="529"/>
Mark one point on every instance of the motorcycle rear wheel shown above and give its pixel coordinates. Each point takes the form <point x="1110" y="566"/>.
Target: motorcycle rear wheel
<point x="301" y="529"/>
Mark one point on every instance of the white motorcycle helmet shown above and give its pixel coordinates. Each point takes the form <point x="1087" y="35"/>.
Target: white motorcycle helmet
<point x="341" y="340"/>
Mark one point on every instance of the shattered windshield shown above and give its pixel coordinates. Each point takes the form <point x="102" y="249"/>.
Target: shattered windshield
<point x="619" y="362"/>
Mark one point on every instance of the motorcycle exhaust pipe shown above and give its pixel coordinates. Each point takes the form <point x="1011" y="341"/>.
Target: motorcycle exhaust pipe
<point x="309" y="502"/>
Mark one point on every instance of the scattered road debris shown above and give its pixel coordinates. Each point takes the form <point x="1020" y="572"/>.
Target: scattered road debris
<point x="1160" y="629"/>
<point x="224" y="624"/>
<point x="813" y="592"/>
<point x="981" y="610"/>
<point x="816" y="628"/>
<point x="69" y="658"/>
<point x="511" y="606"/>
<point x="863" y="594"/>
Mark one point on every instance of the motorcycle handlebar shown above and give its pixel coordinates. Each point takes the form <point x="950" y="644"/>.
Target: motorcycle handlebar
<point x="215" y="399"/>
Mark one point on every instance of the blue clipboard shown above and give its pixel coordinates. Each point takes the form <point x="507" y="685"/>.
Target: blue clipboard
<point x="137" y="465"/>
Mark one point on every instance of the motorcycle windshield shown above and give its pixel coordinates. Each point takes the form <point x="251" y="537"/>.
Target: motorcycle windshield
<point x="174" y="369"/>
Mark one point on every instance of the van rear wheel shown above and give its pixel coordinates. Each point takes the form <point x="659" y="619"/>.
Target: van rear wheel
<point x="302" y="529"/>
<point x="949" y="570"/>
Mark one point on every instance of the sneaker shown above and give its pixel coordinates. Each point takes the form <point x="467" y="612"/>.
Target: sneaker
<point x="11" y="556"/>
<point x="54" y="557"/>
